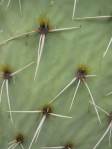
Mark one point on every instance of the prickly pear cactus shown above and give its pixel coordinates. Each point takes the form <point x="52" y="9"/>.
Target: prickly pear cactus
<point x="36" y="67"/>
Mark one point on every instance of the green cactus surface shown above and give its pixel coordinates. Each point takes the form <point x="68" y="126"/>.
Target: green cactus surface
<point x="66" y="54"/>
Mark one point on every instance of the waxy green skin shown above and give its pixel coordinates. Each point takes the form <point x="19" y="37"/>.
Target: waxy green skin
<point x="63" y="53"/>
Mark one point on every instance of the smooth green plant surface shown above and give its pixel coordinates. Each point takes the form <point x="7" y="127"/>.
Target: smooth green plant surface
<point x="62" y="54"/>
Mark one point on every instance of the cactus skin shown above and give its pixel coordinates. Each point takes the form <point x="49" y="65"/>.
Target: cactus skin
<point x="63" y="53"/>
